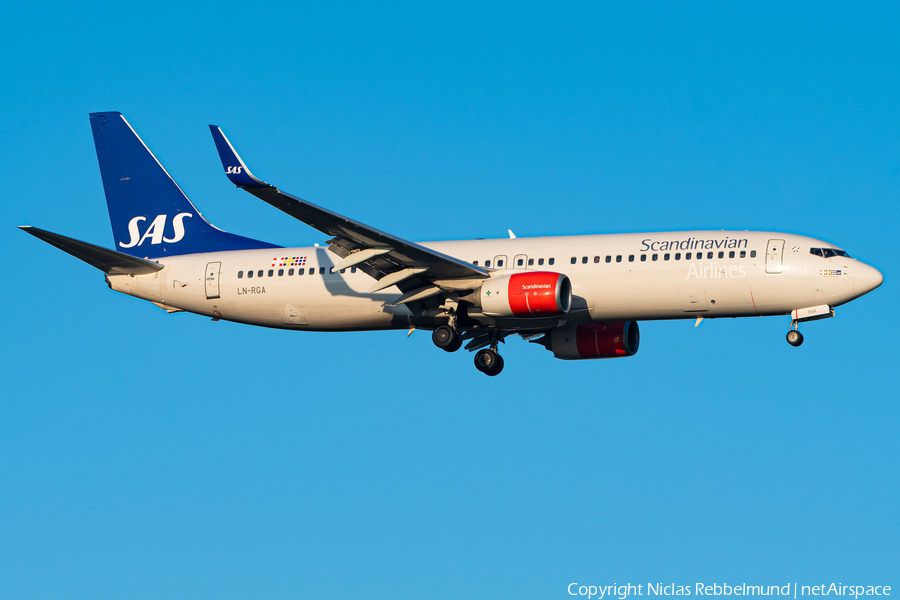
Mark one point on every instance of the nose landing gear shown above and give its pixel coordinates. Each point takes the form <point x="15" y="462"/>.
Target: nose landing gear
<point x="794" y="338"/>
<point x="801" y="315"/>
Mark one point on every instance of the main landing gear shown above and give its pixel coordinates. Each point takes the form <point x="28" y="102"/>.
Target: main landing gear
<point x="446" y="338"/>
<point x="488" y="361"/>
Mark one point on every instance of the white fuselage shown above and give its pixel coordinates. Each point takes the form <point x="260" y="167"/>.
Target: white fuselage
<point x="647" y="276"/>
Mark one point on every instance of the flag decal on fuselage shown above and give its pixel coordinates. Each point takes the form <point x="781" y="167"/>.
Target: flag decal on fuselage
<point x="289" y="261"/>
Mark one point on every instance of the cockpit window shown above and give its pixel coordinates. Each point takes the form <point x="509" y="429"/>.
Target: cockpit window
<point x="828" y="252"/>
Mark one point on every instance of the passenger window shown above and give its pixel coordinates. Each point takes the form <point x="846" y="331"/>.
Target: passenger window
<point x="709" y="255"/>
<point x="290" y="272"/>
<point x="753" y="254"/>
<point x="321" y="270"/>
<point x="643" y="258"/>
<point x="540" y="261"/>
<point x="574" y="260"/>
<point x="631" y="258"/>
<point x="666" y="256"/>
<point x="619" y="258"/>
<point x="687" y="256"/>
<point x="520" y="262"/>
<point x="550" y="261"/>
<point x="342" y="271"/>
<point x="281" y="272"/>
<point x="654" y="257"/>
<point x="271" y="272"/>
<point x="743" y="254"/>
<point x="249" y="273"/>
<point x="584" y="260"/>
<point x="240" y="274"/>
<point x="301" y="271"/>
<point x="499" y="263"/>
<point x="731" y="254"/>
<point x="353" y="269"/>
<point x="487" y="263"/>
<point x="608" y="258"/>
<point x="678" y="256"/>
<point x="596" y="259"/>
<point x="530" y="262"/>
<point x="259" y="273"/>
<point x="475" y="263"/>
<point x="312" y="271"/>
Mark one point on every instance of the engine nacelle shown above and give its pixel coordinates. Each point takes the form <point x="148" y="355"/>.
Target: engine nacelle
<point x="526" y="295"/>
<point x="595" y="340"/>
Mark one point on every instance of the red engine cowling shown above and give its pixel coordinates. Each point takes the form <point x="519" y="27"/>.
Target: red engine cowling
<point x="595" y="340"/>
<point x="526" y="295"/>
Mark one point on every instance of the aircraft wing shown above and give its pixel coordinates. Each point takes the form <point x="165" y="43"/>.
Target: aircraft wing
<point x="389" y="259"/>
<point x="108" y="261"/>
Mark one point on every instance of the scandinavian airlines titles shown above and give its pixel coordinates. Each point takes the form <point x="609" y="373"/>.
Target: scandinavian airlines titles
<point x="692" y="244"/>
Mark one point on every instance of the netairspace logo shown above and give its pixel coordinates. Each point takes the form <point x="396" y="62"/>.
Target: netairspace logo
<point x="742" y="589"/>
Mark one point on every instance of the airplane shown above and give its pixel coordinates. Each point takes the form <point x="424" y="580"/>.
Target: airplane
<point x="580" y="297"/>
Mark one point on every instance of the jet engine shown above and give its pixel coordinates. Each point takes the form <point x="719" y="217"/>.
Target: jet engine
<point x="594" y="340"/>
<point x="528" y="295"/>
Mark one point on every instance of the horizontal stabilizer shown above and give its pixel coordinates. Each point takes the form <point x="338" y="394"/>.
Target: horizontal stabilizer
<point x="108" y="261"/>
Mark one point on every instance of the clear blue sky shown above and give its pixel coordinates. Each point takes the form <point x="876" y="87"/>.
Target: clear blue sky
<point x="145" y="455"/>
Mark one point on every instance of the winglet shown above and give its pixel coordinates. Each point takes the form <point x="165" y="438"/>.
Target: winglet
<point x="235" y="169"/>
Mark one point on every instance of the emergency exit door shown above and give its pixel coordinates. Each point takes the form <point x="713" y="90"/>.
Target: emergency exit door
<point x="212" y="280"/>
<point x="774" y="253"/>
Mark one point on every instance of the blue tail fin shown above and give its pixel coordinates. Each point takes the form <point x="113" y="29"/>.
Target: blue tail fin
<point x="150" y="215"/>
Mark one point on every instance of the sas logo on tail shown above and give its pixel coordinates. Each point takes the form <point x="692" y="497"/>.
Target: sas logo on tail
<point x="233" y="170"/>
<point x="155" y="231"/>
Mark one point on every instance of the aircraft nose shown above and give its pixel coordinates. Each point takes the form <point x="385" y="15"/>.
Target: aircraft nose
<point x="866" y="279"/>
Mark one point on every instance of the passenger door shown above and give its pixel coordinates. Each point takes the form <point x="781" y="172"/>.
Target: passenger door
<point x="774" y="252"/>
<point x="212" y="280"/>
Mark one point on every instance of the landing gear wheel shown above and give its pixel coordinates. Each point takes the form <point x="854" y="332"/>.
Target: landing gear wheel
<point x="794" y="338"/>
<point x="446" y="338"/>
<point x="488" y="362"/>
<point x="499" y="366"/>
